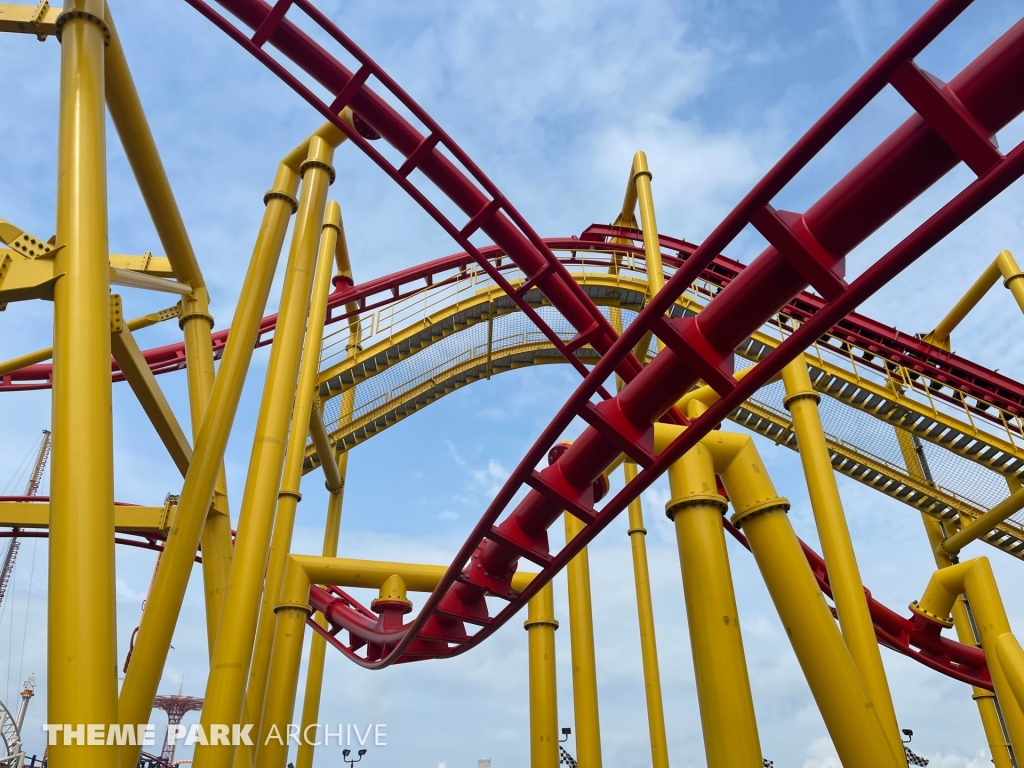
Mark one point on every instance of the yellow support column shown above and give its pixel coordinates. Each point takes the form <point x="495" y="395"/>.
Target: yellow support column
<point x="991" y="721"/>
<point x="645" y="614"/>
<point x="975" y="577"/>
<point x="837" y="546"/>
<point x="720" y="666"/>
<point x="196" y="324"/>
<point x="835" y="683"/>
<point x="1004" y="266"/>
<point x="291" y="614"/>
<point x="225" y="689"/>
<point x="645" y="197"/>
<point x="82" y="642"/>
<point x="639" y="185"/>
<point x="171" y="578"/>
<point x="540" y="628"/>
<point x="318" y="646"/>
<point x="584" y="663"/>
<point x="289" y="495"/>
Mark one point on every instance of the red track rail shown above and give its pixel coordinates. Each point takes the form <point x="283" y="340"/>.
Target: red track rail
<point x="915" y="637"/>
<point x="884" y="343"/>
<point x="953" y="122"/>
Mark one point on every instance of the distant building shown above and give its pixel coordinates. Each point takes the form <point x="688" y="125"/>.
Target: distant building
<point x="484" y="763"/>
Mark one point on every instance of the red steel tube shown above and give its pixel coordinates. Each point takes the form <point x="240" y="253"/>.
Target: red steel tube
<point x="901" y="168"/>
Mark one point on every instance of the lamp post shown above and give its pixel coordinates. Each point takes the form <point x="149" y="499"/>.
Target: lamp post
<point x="352" y="761"/>
<point x="912" y="759"/>
<point x="564" y="758"/>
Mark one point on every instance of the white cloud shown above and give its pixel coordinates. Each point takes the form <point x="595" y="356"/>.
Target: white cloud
<point x="552" y="99"/>
<point x="822" y="755"/>
<point x="127" y="594"/>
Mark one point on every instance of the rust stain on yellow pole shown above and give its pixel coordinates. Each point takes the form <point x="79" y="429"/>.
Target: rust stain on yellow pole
<point x="82" y="653"/>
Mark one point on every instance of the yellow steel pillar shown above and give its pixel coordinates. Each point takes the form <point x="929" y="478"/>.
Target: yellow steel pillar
<point x="318" y="646"/>
<point x="846" y="708"/>
<point x="645" y="614"/>
<point x="1004" y="266"/>
<point x="195" y="321"/>
<point x="975" y="577"/>
<point x="837" y="546"/>
<point x="289" y="495"/>
<point x="540" y="627"/>
<point x="291" y="615"/>
<point x="720" y="666"/>
<point x="171" y="579"/>
<point x="639" y="185"/>
<point x="584" y="663"/>
<point x="988" y="709"/>
<point x="82" y="642"/>
<point x="225" y="689"/>
<point x="645" y="197"/>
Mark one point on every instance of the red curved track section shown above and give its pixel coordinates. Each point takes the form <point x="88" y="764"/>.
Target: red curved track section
<point x="883" y="343"/>
<point x="953" y="122"/>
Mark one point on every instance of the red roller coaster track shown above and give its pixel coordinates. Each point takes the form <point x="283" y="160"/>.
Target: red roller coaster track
<point x="953" y="122"/>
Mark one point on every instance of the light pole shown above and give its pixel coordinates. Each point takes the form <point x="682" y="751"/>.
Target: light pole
<point x="345" y="756"/>
<point x="564" y="758"/>
<point x="912" y="759"/>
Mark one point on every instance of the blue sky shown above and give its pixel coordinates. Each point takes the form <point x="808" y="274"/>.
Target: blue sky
<point x="551" y="99"/>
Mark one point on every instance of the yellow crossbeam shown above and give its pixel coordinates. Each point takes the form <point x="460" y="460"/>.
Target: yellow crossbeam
<point x="36" y="514"/>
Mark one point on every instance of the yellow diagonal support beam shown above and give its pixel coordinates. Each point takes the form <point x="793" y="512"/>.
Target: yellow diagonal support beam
<point x="859" y="393"/>
<point x="143" y="383"/>
<point x="42" y="355"/>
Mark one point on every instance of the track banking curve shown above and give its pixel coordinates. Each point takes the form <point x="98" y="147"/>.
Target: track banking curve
<point x="906" y="636"/>
<point x="953" y="122"/>
<point x="946" y="371"/>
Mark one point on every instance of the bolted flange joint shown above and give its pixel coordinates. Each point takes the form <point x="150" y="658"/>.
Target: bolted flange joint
<point x="276" y="194"/>
<point x="924" y="613"/>
<point x="322" y="165"/>
<point x="779" y="502"/>
<point x="67" y="16"/>
<point x="678" y="504"/>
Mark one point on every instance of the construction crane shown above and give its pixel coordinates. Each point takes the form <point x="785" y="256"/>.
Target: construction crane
<point x="31" y="489"/>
